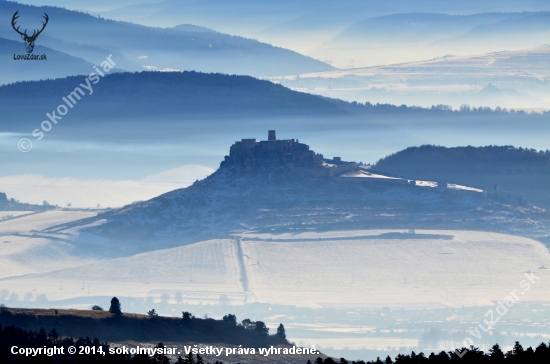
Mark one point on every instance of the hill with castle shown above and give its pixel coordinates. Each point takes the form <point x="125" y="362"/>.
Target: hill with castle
<point x="279" y="223"/>
<point x="283" y="185"/>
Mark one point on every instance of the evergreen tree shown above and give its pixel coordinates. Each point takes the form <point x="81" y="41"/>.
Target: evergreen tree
<point x="497" y="356"/>
<point x="153" y="315"/>
<point x="281" y="332"/>
<point x="189" y="359"/>
<point x="187" y="317"/>
<point x="115" y="306"/>
<point x="53" y="336"/>
<point x="517" y="349"/>
<point x="199" y="359"/>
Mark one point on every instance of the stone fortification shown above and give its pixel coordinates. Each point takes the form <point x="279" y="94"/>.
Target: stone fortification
<point x="249" y="156"/>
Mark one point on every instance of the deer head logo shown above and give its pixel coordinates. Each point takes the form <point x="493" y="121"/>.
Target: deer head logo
<point x="29" y="39"/>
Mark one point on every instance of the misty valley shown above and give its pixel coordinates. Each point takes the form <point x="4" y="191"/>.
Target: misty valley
<point x="244" y="181"/>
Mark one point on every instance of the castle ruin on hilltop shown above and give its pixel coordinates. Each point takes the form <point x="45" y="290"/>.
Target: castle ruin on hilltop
<point x="249" y="155"/>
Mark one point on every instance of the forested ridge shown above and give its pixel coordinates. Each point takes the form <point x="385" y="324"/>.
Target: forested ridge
<point x="163" y="94"/>
<point x="124" y="327"/>
<point x="518" y="355"/>
<point x="504" y="160"/>
<point x="519" y="170"/>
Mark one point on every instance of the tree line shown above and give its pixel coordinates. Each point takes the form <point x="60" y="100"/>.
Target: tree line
<point x="518" y="355"/>
<point x="25" y="329"/>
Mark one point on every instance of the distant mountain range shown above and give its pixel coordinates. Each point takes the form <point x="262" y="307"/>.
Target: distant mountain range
<point x="512" y="80"/>
<point x="254" y="15"/>
<point x="345" y="34"/>
<point x="354" y="25"/>
<point x="415" y="28"/>
<point x="406" y="37"/>
<point x="325" y="30"/>
<point x="136" y="47"/>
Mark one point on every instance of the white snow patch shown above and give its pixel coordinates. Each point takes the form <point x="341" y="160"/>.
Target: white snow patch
<point x="460" y="187"/>
<point x="364" y="174"/>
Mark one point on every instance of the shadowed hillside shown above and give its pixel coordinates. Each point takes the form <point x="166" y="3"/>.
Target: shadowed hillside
<point x="134" y="327"/>
<point x="161" y="94"/>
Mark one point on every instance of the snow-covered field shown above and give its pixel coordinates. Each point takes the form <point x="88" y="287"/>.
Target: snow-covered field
<point x="201" y="271"/>
<point x="27" y="253"/>
<point x="11" y="214"/>
<point x="42" y="220"/>
<point x="20" y="256"/>
<point x="472" y="268"/>
<point x="359" y="268"/>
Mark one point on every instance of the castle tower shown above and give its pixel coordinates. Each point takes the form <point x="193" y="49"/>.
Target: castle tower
<point x="271" y="135"/>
